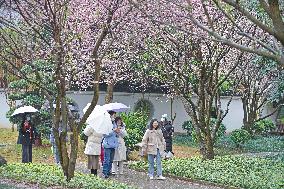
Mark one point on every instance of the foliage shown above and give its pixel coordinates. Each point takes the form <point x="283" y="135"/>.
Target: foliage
<point x="145" y="107"/>
<point x="82" y="135"/>
<point x="13" y="119"/>
<point x="135" y="126"/>
<point x="49" y="175"/>
<point x="30" y="94"/>
<point x="187" y="125"/>
<point x="263" y="126"/>
<point x="225" y="145"/>
<point x="183" y="140"/>
<point x="238" y="171"/>
<point x="265" y="144"/>
<point x="240" y="136"/>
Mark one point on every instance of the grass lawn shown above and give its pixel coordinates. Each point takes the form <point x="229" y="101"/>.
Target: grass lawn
<point x="225" y="146"/>
<point x="236" y="171"/>
<point x="12" y="151"/>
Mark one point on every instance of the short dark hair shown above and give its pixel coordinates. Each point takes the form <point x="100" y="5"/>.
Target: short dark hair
<point x="111" y="112"/>
<point x="117" y="118"/>
<point x="151" y="124"/>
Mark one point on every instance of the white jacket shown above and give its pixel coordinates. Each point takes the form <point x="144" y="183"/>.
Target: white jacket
<point x="93" y="146"/>
<point x="120" y="151"/>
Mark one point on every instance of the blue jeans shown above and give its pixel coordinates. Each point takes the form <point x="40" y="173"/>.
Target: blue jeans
<point x="56" y="153"/>
<point x="151" y="164"/>
<point x="108" y="159"/>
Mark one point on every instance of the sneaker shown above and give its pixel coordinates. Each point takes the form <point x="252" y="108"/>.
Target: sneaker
<point x="105" y="176"/>
<point x="161" y="177"/>
<point x="151" y="177"/>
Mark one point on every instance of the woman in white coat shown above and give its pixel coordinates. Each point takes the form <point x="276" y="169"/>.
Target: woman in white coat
<point x="120" y="152"/>
<point x="93" y="149"/>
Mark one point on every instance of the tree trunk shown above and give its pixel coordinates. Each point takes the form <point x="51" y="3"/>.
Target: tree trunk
<point x="209" y="147"/>
<point x="250" y="111"/>
<point x="109" y="94"/>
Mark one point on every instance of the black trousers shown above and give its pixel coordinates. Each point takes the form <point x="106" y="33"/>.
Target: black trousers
<point x="27" y="153"/>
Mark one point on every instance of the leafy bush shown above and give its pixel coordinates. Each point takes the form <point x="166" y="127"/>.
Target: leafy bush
<point x="240" y="136"/>
<point x="265" y="144"/>
<point x="263" y="126"/>
<point x="187" y="125"/>
<point x="144" y="106"/>
<point x="237" y="171"/>
<point x="136" y="124"/>
<point x="49" y="175"/>
<point x="82" y="135"/>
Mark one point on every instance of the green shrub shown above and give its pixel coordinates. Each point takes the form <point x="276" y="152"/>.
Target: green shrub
<point x="136" y="124"/>
<point x="187" y="125"/>
<point x="82" y="135"/>
<point x="237" y="171"/>
<point x="240" y="136"/>
<point x="265" y="144"/>
<point x="263" y="126"/>
<point x="145" y="107"/>
<point x="183" y="140"/>
<point x="50" y="175"/>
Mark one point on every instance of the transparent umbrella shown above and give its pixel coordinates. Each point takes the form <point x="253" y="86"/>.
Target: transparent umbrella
<point x="99" y="120"/>
<point x="116" y="106"/>
<point x="24" y="109"/>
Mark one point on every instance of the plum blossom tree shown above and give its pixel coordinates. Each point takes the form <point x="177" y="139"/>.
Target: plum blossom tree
<point x="75" y="41"/>
<point x="188" y="66"/>
<point x="259" y="79"/>
<point x="260" y="22"/>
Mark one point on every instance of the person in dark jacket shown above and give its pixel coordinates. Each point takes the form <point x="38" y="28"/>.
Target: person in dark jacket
<point x="168" y="131"/>
<point x="27" y="135"/>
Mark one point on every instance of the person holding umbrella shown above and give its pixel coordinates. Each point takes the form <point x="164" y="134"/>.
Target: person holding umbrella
<point x="93" y="149"/>
<point x="110" y="143"/>
<point x="27" y="135"/>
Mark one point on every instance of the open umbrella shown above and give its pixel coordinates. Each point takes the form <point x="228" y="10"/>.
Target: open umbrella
<point x="72" y="107"/>
<point x="116" y="107"/>
<point x="24" y="109"/>
<point x="99" y="120"/>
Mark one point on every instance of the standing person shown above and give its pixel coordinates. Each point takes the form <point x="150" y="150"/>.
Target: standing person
<point x="168" y="131"/>
<point x="120" y="151"/>
<point x="110" y="142"/>
<point x="54" y="147"/>
<point x="112" y="117"/>
<point x="153" y="143"/>
<point x="93" y="149"/>
<point x="27" y="135"/>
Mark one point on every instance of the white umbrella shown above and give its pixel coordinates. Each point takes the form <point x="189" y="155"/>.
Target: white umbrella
<point x="116" y="107"/>
<point x="70" y="106"/>
<point x="24" y="109"/>
<point x="99" y="120"/>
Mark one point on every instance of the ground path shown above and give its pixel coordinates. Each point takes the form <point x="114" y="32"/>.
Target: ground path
<point x="140" y="180"/>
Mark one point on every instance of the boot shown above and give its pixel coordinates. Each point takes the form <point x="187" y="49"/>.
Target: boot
<point x="94" y="172"/>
